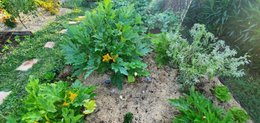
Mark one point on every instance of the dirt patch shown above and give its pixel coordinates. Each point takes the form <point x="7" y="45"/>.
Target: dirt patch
<point x="146" y="99"/>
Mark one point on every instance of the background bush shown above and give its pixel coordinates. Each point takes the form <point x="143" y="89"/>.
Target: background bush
<point x="237" y="22"/>
<point x="156" y="19"/>
<point x="203" y="56"/>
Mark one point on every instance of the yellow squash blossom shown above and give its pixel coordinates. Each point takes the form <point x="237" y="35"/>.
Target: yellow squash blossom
<point x="72" y="96"/>
<point x="106" y="58"/>
<point x="65" y="104"/>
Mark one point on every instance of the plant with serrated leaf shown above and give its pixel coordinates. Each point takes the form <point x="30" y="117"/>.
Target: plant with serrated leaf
<point x="56" y="102"/>
<point x="222" y="93"/>
<point x="195" y="108"/>
<point x="108" y="40"/>
<point x="203" y="57"/>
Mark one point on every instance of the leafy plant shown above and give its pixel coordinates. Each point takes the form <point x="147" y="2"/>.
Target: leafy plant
<point x="57" y="102"/>
<point x="239" y="115"/>
<point x="154" y="17"/>
<point x="72" y="4"/>
<point x="108" y="39"/>
<point x="195" y="108"/>
<point x="236" y="21"/>
<point x="51" y="6"/>
<point x="49" y="76"/>
<point x="222" y="93"/>
<point x="11" y="9"/>
<point x="128" y="118"/>
<point x="27" y="49"/>
<point x="204" y="56"/>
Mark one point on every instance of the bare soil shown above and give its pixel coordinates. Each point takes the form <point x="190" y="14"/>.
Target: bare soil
<point x="147" y="100"/>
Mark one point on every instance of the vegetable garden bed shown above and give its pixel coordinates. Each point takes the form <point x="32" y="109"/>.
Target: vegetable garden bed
<point x="107" y="67"/>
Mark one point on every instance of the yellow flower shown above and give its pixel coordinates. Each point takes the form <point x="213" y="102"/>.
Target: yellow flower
<point x="106" y="58"/>
<point x="65" y="104"/>
<point x="114" y="58"/>
<point x="35" y="122"/>
<point x="72" y="96"/>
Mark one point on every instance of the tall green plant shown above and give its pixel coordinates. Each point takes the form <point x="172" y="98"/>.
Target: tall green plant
<point x="108" y="40"/>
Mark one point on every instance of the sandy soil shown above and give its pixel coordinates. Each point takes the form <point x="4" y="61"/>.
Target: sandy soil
<point x="35" y="22"/>
<point x="147" y="100"/>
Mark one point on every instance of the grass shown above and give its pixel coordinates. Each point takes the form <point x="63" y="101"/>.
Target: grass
<point x="49" y="60"/>
<point x="246" y="91"/>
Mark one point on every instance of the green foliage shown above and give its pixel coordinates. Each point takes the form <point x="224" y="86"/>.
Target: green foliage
<point x="239" y="115"/>
<point x="72" y="3"/>
<point x="222" y="93"/>
<point x="247" y="91"/>
<point x="56" y="102"/>
<point x="15" y="7"/>
<point x="90" y="106"/>
<point x="153" y="16"/>
<point x="107" y="40"/>
<point x="205" y="56"/>
<point x="128" y="118"/>
<point x="27" y="49"/>
<point x="195" y="108"/>
<point x="49" y="76"/>
<point x="165" y="21"/>
<point x="10" y="22"/>
<point x="237" y="21"/>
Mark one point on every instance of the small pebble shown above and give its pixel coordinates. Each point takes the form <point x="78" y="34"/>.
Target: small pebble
<point x="3" y="96"/>
<point x="27" y="65"/>
<point x="63" y="31"/>
<point x="148" y="79"/>
<point x="113" y="91"/>
<point x="107" y="82"/>
<point x="72" y="22"/>
<point x="122" y="97"/>
<point x="49" y="45"/>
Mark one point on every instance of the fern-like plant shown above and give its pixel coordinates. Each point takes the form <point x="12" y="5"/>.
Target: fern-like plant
<point x="108" y="40"/>
<point x="195" y="108"/>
